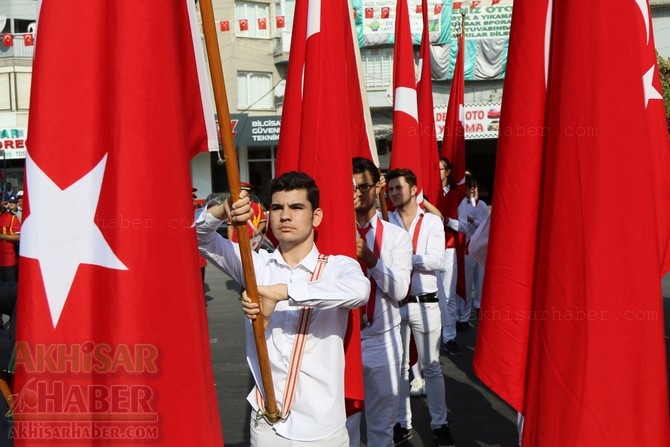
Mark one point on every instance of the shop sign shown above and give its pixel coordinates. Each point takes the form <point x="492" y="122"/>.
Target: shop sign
<point x="480" y="120"/>
<point x="13" y="142"/>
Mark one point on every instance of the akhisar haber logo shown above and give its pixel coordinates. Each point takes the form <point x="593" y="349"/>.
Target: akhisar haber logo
<point x="70" y="388"/>
<point x="86" y="357"/>
<point x="43" y="400"/>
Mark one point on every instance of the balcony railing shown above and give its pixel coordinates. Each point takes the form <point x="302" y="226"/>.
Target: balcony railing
<point x="22" y="46"/>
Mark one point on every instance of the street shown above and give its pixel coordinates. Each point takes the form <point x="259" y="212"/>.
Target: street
<point x="477" y="416"/>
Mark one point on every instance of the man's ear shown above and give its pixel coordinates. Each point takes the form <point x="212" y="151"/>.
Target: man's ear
<point x="317" y="217"/>
<point x="413" y="191"/>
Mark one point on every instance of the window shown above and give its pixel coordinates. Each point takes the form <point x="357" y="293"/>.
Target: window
<point x="23" y="91"/>
<point x="285" y="8"/>
<point x="254" y="91"/>
<point x="5" y="92"/>
<point x="252" y="19"/>
<point x="377" y="67"/>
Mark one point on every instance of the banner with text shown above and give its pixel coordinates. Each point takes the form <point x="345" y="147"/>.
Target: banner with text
<point x="487" y="26"/>
<point x="13" y="142"/>
<point x="481" y="121"/>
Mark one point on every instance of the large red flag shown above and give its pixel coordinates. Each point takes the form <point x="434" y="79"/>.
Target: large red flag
<point x="453" y="141"/>
<point x="405" y="144"/>
<point x="98" y="358"/>
<point x="453" y="148"/>
<point x="571" y="330"/>
<point x="316" y="138"/>
<point x="432" y="186"/>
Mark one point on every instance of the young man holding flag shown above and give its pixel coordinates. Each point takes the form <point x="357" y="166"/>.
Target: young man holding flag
<point x="385" y="254"/>
<point x="305" y="299"/>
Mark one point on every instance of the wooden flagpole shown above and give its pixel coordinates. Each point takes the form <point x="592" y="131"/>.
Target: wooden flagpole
<point x="220" y="98"/>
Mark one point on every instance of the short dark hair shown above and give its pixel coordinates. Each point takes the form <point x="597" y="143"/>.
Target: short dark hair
<point x="450" y="178"/>
<point x="470" y="180"/>
<point x="290" y="181"/>
<point x="361" y="164"/>
<point x="410" y="177"/>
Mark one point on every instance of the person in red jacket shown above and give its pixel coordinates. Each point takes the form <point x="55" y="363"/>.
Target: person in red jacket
<point x="255" y="225"/>
<point x="10" y="224"/>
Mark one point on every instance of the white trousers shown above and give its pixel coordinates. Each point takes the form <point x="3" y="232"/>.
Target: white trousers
<point x="424" y="321"/>
<point x="446" y="292"/>
<point x="381" y="374"/>
<point x="474" y="280"/>
<point x="262" y="435"/>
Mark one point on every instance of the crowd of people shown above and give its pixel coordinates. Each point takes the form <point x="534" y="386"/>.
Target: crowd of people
<point x="405" y="282"/>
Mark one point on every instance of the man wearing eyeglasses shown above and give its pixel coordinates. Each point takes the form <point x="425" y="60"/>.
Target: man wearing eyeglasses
<point x="385" y="254"/>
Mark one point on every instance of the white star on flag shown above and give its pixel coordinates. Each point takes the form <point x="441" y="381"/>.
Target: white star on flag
<point x="60" y="231"/>
<point x="650" y="91"/>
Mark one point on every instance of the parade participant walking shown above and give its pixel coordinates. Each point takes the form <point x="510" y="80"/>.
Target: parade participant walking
<point x="295" y="283"/>
<point x="420" y="312"/>
<point x="385" y="253"/>
<point x="447" y="204"/>
<point x="472" y="212"/>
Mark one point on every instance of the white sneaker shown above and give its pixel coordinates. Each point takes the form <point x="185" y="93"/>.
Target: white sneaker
<point x="417" y="387"/>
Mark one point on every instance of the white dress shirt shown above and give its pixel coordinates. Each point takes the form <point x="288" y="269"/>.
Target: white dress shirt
<point x="479" y="213"/>
<point x="429" y="251"/>
<point x="391" y="273"/>
<point x="318" y="408"/>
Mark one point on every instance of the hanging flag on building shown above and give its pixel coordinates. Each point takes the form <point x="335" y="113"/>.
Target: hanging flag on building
<point x="224" y="25"/>
<point x="281" y="21"/>
<point x="244" y="24"/>
<point x="97" y="360"/>
<point x="571" y="329"/>
<point x="316" y="138"/>
<point x="405" y="138"/>
<point x="7" y="40"/>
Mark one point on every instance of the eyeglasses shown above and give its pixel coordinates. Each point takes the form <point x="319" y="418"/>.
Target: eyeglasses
<point x="364" y="188"/>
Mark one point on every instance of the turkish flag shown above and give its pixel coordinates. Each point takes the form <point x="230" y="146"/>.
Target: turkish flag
<point x="386" y="12"/>
<point x="405" y="108"/>
<point x="224" y="25"/>
<point x="578" y="337"/>
<point x="453" y="148"/>
<point x="262" y="23"/>
<point x="103" y="290"/>
<point x="437" y="9"/>
<point x="7" y="40"/>
<point x="457" y="5"/>
<point x="369" y="13"/>
<point x="432" y="185"/>
<point x="244" y="24"/>
<point x="418" y="9"/>
<point x="316" y="138"/>
<point x="28" y="40"/>
<point x="280" y="21"/>
<point x="474" y="4"/>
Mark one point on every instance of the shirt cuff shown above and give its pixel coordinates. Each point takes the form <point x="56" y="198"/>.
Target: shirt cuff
<point x="204" y="219"/>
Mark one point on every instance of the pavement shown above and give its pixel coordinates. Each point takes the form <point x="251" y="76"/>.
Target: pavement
<point x="477" y="416"/>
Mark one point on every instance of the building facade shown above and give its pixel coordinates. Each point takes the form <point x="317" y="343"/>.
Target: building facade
<point x="254" y="41"/>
